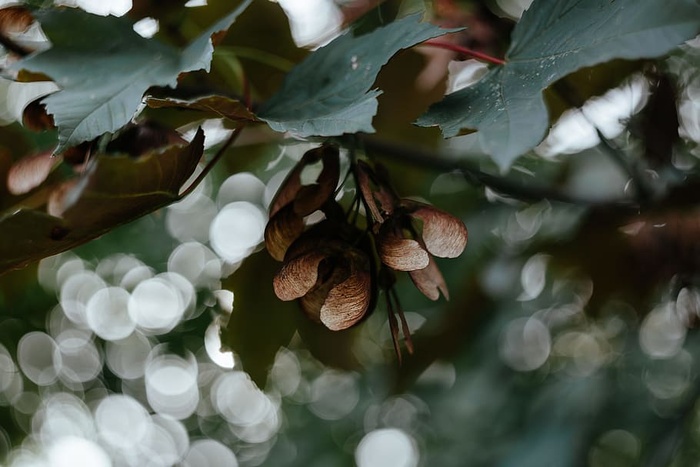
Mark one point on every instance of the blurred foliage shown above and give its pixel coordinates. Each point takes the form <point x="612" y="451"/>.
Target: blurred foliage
<point x="570" y="334"/>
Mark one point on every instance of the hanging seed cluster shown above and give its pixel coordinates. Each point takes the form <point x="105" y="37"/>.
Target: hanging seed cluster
<point x="336" y="268"/>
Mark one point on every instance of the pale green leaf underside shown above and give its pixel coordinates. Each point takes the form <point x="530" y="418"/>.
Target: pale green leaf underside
<point x="328" y="94"/>
<point x="103" y="69"/>
<point x="555" y="38"/>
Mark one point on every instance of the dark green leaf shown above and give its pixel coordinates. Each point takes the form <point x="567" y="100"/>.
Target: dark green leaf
<point x="260" y="323"/>
<point x="553" y="39"/>
<point x="218" y="106"/>
<point x="328" y="94"/>
<point x="114" y="191"/>
<point x="103" y="68"/>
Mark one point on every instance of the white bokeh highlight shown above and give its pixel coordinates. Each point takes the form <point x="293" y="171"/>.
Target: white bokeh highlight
<point x="387" y="447"/>
<point x="525" y="344"/>
<point x="156" y="306"/>
<point x="39" y="358"/>
<point x="237" y="230"/>
<point x="171" y="384"/>
<point x="107" y="314"/>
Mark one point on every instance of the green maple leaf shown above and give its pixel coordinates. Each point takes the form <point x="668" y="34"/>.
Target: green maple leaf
<point x="329" y="94"/>
<point x="553" y="39"/>
<point x="103" y="69"/>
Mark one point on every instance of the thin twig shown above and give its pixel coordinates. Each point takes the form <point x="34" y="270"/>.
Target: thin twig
<point x="474" y="175"/>
<point x="465" y="51"/>
<point x="644" y="192"/>
<point x="571" y="96"/>
<point x="210" y="165"/>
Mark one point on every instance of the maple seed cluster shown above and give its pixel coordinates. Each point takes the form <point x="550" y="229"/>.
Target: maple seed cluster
<point x="331" y="267"/>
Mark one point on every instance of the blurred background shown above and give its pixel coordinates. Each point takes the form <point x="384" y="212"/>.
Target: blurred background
<point x="569" y="338"/>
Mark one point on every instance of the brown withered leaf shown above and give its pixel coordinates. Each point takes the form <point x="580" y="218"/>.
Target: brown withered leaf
<point x="298" y="276"/>
<point x="294" y="200"/>
<point x="14" y="19"/>
<point x="363" y="175"/>
<point x="331" y="278"/>
<point x="376" y="191"/>
<point x="281" y="231"/>
<point x="399" y="253"/>
<point x="444" y="235"/>
<point x="313" y="301"/>
<point x="113" y="191"/>
<point x="30" y="172"/>
<point x="311" y="197"/>
<point x="291" y="186"/>
<point x="429" y="281"/>
<point x="216" y="106"/>
<point x="57" y="202"/>
<point x="139" y="138"/>
<point x="348" y="302"/>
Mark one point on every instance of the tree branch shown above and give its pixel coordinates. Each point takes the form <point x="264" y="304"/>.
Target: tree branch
<point x="210" y="165"/>
<point x="475" y="176"/>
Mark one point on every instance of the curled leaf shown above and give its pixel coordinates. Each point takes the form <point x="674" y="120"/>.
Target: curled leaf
<point x="363" y="175"/>
<point x="376" y="191"/>
<point x="429" y="281"/>
<point x="444" y="235"/>
<point x="298" y="276"/>
<point x="330" y="276"/>
<point x="399" y="253"/>
<point x="312" y="197"/>
<point x="281" y="231"/>
<point x="139" y="138"/>
<point x="348" y="302"/>
<point x="310" y="200"/>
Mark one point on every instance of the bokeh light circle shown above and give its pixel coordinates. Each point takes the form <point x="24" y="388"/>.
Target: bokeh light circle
<point x="387" y="447"/>
<point x="73" y="451"/>
<point x="39" y="358"/>
<point x="237" y="230"/>
<point x="107" y="314"/>
<point x="76" y="291"/>
<point x="126" y="358"/>
<point x="156" y="306"/>
<point x="122" y="422"/>
<point x="189" y="219"/>
<point x="195" y="262"/>
<point x="81" y="360"/>
<point x="209" y="453"/>
<point x="334" y="395"/>
<point x="171" y="385"/>
<point x="243" y="186"/>
<point x="525" y="344"/>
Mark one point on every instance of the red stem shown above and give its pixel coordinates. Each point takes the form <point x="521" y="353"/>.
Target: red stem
<point x="465" y="51"/>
